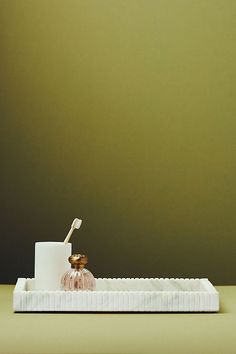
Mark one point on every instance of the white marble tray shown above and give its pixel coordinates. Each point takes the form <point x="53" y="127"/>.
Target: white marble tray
<point x="121" y="295"/>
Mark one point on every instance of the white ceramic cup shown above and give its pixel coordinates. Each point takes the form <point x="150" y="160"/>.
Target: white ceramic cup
<point x="51" y="262"/>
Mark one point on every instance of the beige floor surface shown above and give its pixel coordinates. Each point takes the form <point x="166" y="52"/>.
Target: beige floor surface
<point x="199" y="333"/>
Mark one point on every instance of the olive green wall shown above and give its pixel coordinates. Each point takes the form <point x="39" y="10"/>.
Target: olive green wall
<point x="121" y="112"/>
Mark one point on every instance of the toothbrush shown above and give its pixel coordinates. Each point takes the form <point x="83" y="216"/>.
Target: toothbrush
<point x="75" y="225"/>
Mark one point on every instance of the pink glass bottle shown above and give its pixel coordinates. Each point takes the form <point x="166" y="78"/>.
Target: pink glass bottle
<point x="78" y="277"/>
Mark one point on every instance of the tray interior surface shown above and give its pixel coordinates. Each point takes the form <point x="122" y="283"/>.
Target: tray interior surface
<point x="142" y="284"/>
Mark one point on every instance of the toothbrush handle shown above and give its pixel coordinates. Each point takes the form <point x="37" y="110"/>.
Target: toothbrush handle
<point x="68" y="236"/>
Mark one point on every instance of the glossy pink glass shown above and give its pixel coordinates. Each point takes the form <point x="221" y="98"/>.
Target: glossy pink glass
<point x="78" y="279"/>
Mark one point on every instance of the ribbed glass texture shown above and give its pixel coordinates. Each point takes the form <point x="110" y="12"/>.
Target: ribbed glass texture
<point x="78" y="279"/>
